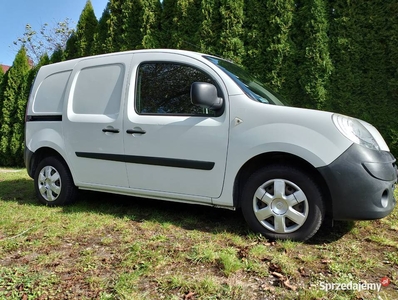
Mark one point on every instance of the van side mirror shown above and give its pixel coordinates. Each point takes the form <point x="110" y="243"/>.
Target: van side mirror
<point x="204" y="95"/>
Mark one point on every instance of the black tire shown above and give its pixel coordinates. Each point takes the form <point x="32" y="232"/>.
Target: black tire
<point x="282" y="202"/>
<point x="54" y="183"/>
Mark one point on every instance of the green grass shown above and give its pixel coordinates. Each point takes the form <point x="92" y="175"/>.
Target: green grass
<point x="112" y="247"/>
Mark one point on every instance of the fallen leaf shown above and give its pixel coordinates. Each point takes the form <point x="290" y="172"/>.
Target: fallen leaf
<point x="275" y="268"/>
<point x="287" y="284"/>
<point x="243" y="253"/>
<point x="276" y="274"/>
<point x="189" y="296"/>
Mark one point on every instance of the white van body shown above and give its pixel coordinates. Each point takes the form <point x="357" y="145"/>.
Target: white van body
<point x="184" y="126"/>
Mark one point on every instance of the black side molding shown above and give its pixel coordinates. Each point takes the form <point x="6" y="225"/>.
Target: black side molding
<point x="147" y="160"/>
<point x="31" y="118"/>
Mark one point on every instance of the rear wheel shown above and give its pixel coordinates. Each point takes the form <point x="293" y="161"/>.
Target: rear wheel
<point x="282" y="202"/>
<point x="53" y="183"/>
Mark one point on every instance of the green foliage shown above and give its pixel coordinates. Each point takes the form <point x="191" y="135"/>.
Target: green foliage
<point x="1" y="93"/>
<point x="269" y="47"/>
<point x="80" y="43"/>
<point x="314" y="66"/>
<point x="130" y="26"/>
<point x="57" y="56"/>
<point x="114" y="40"/>
<point x="71" y="50"/>
<point x="150" y="25"/>
<point x="1" y="74"/>
<point x="13" y="101"/>
<point x="181" y="21"/>
<point x="133" y="24"/>
<point x="337" y="55"/>
<point x="364" y="51"/>
<point x="100" y="37"/>
<point x="391" y="119"/>
<point x="230" y="33"/>
<point x="86" y="28"/>
<point x="210" y="26"/>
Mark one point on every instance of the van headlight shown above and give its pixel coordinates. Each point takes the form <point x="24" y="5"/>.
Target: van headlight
<point x="353" y="130"/>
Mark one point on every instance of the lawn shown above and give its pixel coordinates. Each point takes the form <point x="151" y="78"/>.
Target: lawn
<point x="113" y="247"/>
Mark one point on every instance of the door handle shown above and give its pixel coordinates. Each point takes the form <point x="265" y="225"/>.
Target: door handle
<point x="135" y="131"/>
<point x="113" y="130"/>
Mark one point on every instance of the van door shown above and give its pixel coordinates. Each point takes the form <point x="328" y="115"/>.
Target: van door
<point x="173" y="148"/>
<point x="93" y="126"/>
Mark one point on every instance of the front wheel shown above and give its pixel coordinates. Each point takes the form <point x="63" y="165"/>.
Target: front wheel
<point x="282" y="202"/>
<point x="53" y="183"/>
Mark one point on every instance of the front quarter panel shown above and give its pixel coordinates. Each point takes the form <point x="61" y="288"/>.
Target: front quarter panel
<point x="309" y="134"/>
<point x="262" y="128"/>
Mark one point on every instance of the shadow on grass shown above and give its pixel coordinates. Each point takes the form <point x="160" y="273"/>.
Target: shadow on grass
<point x="187" y="216"/>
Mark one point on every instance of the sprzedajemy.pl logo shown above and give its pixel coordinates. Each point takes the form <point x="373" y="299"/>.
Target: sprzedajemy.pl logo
<point x="354" y="286"/>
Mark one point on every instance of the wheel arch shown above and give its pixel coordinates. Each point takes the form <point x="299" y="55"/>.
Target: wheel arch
<point x="264" y="159"/>
<point x="43" y="152"/>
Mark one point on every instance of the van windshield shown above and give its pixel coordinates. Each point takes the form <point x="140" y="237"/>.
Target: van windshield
<point x="248" y="83"/>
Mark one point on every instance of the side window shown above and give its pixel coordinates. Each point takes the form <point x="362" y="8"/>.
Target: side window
<point x="50" y="95"/>
<point x="164" y="88"/>
<point x="98" y="90"/>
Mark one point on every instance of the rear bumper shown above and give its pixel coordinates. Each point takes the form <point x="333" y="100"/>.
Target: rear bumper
<point x="361" y="183"/>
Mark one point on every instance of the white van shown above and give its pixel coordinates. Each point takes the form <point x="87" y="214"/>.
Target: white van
<point x="189" y="127"/>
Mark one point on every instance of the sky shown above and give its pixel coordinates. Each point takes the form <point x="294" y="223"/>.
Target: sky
<point x="15" y="14"/>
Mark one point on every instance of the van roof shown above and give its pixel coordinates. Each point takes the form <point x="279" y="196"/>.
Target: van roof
<point x="72" y="62"/>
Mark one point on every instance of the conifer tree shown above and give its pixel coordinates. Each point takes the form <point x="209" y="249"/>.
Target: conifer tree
<point x="71" y="50"/>
<point x="114" y="40"/>
<point x="13" y="96"/>
<point x="17" y="137"/>
<point x="363" y="84"/>
<point x="314" y="65"/>
<point x="150" y="28"/>
<point x="2" y="78"/>
<point x="391" y="133"/>
<point x="268" y="42"/>
<point x="230" y="43"/>
<point x="57" y="56"/>
<point x="1" y="74"/>
<point x="85" y="30"/>
<point x="100" y="37"/>
<point x="210" y="27"/>
<point x="81" y="41"/>
<point x="133" y="24"/>
<point x="181" y="22"/>
<point x="168" y="21"/>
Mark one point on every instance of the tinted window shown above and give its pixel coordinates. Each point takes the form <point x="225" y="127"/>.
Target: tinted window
<point x="164" y="88"/>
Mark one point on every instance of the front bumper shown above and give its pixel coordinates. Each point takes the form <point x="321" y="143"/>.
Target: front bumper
<point x="361" y="183"/>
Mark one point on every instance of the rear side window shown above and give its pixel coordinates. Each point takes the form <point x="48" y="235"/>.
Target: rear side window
<point x="164" y="88"/>
<point x="98" y="90"/>
<point x="50" y="95"/>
